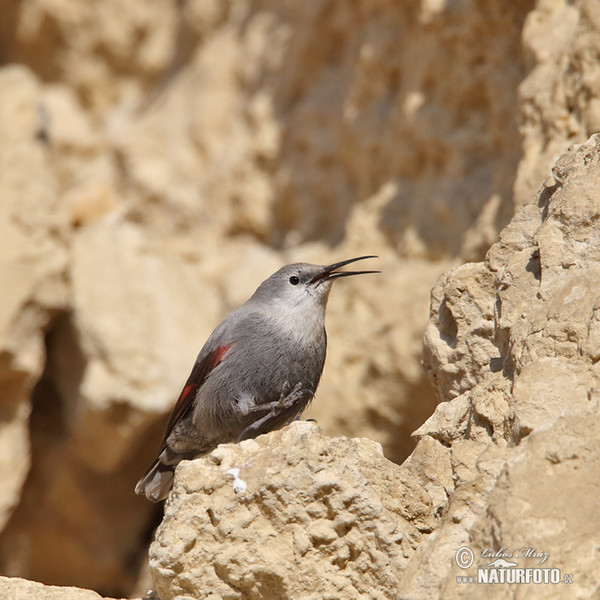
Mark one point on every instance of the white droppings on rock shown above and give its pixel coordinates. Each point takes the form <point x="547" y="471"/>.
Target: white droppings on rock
<point x="239" y="485"/>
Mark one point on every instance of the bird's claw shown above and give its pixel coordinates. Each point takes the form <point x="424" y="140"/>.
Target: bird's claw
<point x="286" y="401"/>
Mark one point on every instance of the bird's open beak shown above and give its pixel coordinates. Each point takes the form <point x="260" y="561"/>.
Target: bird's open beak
<point x="329" y="272"/>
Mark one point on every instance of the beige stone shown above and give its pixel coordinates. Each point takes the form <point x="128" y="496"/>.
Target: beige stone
<point x="558" y="95"/>
<point x="314" y="517"/>
<point x="539" y="389"/>
<point x="544" y="502"/>
<point x="116" y="363"/>
<point x="32" y="268"/>
<point x="13" y="588"/>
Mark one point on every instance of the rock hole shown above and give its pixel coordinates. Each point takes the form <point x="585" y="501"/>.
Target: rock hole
<point x="496" y="364"/>
<point x="211" y="515"/>
<point x="544" y="199"/>
<point x="447" y="324"/>
<point x="534" y="265"/>
<point x="343" y="528"/>
<point x="61" y="491"/>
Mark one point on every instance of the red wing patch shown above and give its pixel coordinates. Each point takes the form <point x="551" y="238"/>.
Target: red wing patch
<point x="197" y="377"/>
<point x="218" y="355"/>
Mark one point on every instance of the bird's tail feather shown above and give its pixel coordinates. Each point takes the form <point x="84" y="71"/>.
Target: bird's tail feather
<point x="157" y="482"/>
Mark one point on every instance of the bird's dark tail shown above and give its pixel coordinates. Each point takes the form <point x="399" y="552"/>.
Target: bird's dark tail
<point x="157" y="482"/>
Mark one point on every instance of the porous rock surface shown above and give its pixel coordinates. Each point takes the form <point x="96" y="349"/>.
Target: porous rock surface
<point x="14" y="588"/>
<point x="315" y="517"/>
<point x="513" y="347"/>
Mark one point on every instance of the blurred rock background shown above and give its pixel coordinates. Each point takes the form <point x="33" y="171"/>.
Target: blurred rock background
<point x="159" y="159"/>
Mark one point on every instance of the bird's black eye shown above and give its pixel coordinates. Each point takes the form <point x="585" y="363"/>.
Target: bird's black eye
<point x="294" y="280"/>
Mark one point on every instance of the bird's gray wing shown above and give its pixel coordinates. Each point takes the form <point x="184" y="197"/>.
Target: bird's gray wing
<point x="205" y="363"/>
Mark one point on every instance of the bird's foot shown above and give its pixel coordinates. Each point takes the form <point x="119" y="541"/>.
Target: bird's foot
<point x="286" y="402"/>
<point x="287" y="399"/>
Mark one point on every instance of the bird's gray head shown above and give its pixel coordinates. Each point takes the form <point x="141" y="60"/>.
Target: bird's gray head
<point x="302" y="285"/>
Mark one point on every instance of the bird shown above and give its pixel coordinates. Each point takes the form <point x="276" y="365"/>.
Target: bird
<point x="257" y="371"/>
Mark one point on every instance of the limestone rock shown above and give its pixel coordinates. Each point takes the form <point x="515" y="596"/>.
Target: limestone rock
<point x="559" y="96"/>
<point x="292" y="514"/>
<point x="542" y="511"/>
<point x="32" y="270"/>
<point x="13" y="588"/>
<point x="534" y="315"/>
